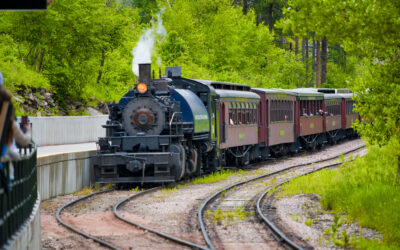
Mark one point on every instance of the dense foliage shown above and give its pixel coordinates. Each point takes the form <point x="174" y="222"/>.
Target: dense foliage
<point x="77" y="46"/>
<point x="214" y="40"/>
<point x="81" y="50"/>
<point x="368" y="29"/>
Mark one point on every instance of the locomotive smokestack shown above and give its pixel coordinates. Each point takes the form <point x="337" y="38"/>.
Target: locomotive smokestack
<point x="145" y="73"/>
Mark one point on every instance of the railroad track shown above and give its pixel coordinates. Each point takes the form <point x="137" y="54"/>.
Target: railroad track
<point x="159" y="233"/>
<point x="277" y="233"/>
<point x="116" y="208"/>
<point x="183" y="242"/>
<point x="76" y="230"/>
<point x="280" y="236"/>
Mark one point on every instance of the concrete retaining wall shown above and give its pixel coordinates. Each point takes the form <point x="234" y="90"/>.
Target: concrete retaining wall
<point x="63" y="173"/>
<point x="67" y="129"/>
<point x="28" y="237"/>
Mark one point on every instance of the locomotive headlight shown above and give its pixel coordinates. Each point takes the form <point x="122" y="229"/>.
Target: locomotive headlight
<point x="141" y="88"/>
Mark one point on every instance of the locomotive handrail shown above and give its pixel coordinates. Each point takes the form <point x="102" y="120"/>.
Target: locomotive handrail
<point x="170" y="125"/>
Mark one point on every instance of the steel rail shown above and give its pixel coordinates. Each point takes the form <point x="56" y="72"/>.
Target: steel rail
<point x="216" y="194"/>
<point x="269" y="223"/>
<point x="159" y="233"/>
<point x="103" y="242"/>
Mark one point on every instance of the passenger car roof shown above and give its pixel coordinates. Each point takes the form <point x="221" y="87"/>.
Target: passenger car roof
<point x="274" y="91"/>
<point x="307" y="94"/>
<point x="225" y="85"/>
<point x="237" y="95"/>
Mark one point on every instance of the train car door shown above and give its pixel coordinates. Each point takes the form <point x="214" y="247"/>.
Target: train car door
<point x="223" y="122"/>
<point x="267" y="110"/>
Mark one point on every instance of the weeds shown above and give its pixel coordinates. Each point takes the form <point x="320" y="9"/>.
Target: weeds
<point x="85" y="191"/>
<point x="295" y="217"/>
<point x="107" y="186"/>
<point x="364" y="189"/>
<point x="219" y="216"/>
<point x="217" y="176"/>
<point x="134" y="190"/>
<point x="309" y="222"/>
<point x="168" y="191"/>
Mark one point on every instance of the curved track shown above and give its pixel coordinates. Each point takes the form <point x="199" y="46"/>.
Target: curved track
<point x="213" y="197"/>
<point x="76" y="230"/>
<point x="159" y="233"/>
<point x="280" y="235"/>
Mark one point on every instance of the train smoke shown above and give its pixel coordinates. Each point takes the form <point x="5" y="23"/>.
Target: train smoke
<point x="144" y="48"/>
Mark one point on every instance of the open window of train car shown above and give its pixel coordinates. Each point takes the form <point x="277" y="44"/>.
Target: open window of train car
<point x="242" y="113"/>
<point x="281" y="111"/>
<point x="254" y="113"/>
<point x="350" y="107"/>
<point x="310" y="108"/>
<point x="332" y="107"/>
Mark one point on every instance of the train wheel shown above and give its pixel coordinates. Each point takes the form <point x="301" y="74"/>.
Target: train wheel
<point x="213" y="162"/>
<point x="178" y="166"/>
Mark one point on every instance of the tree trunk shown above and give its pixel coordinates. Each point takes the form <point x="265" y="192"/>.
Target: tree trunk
<point x="296" y="49"/>
<point x="324" y="58"/>
<point x="245" y="7"/>
<point x="103" y="57"/>
<point x="312" y="82"/>
<point x="306" y="60"/>
<point x="41" y="61"/>
<point x="270" y="11"/>
<point x="35" y="57"/>
<point x="318" y="64"/>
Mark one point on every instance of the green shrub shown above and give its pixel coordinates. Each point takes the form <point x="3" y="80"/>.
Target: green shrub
<point x="365" y="189"/>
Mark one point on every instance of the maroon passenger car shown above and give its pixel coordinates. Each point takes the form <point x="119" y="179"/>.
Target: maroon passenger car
<point x="310" y="120"/>
<point x="276" y="127"/>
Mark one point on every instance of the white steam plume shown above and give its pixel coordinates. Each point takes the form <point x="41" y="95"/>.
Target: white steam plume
<point x="144" y="48"/>
<point x="142" y="52"/>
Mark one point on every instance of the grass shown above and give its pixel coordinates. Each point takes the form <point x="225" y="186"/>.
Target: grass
<point x="366" y="190"/>
<point x="168" y="191"/>
<point x="95" y="188"/>
<point x="238" y="214"/>
<point x="309" y="222"/>
<point x="217" y="176"/>
<point x="85" y="191"/>
<point x="135" y="189"/>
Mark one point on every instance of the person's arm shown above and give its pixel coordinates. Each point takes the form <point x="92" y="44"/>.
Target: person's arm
<point x="20" y="137"/>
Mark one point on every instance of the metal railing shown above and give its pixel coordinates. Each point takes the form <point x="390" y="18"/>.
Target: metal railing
<point x="18" y="195"/>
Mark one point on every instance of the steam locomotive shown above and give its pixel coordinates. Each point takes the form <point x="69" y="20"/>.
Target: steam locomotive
<point x="170" y="128"/>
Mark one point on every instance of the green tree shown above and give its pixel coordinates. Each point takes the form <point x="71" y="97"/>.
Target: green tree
<point x="368" y="29"/>
<point x="70" y="42"/>
<point x="222" y="43"/>
<point x="147" y="8"/>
